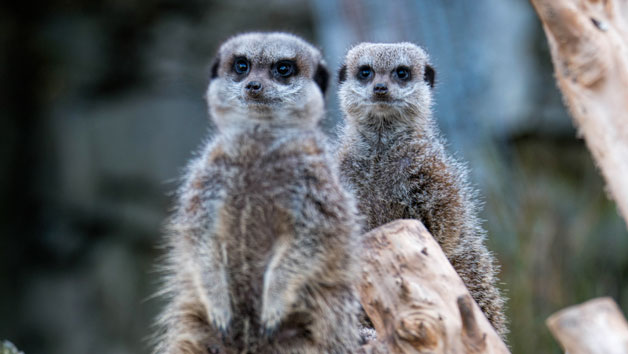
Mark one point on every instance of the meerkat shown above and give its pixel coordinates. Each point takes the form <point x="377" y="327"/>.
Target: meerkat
<point x="260" y="245"/>
<point x="393" y="158"/>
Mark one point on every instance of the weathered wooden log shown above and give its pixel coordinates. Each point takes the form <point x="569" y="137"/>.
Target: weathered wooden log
<point x="588" y="40"/>
<point x="594" y="327"/>
<point x="415" y="299"/>
<point x="7" y="347"/>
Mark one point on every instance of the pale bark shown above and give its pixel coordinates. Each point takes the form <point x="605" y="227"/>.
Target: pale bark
<point x="415" y="299"/>
<point x="588" y="40"/>
<point x="594" y="327"/>
<point x="7" y="347"/>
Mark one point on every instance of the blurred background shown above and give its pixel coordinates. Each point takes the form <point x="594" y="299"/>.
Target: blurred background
<point x="102" y="107"/>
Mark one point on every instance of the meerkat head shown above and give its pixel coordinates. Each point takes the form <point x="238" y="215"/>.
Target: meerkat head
<point x="274" y="78"/>
<point x="386" y="81"/>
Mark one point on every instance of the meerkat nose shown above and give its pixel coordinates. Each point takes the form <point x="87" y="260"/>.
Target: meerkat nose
<point x="380" y="89"/>
<point x="254" y="88"/>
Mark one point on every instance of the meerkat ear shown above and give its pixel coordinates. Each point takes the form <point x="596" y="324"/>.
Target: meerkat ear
<point x="342" y="74"/>
<point x="321" y="77"/>
<point x="214" y="69"/>
<point x="430" y="75"/>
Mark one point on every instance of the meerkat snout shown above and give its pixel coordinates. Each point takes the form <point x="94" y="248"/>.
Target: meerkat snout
<point x="380" y="89"/>
<point x="254" y="88"/>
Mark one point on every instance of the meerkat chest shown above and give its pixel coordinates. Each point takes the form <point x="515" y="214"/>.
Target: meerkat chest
<point x="262" y="196"/>
<point x="388" y="169"/>
<point x="380" y="180"/>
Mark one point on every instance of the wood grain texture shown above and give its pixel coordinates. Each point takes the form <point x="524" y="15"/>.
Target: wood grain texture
<point x="594" y="327"/>
<point x="588" y="40"/>
<point x="415" y="299"/>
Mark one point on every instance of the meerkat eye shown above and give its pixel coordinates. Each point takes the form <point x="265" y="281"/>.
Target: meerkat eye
<point x="403" y="73"/>
<point x="365" y="72"/>
<point x="241" y="66"/>
<point x="285" y="68"/>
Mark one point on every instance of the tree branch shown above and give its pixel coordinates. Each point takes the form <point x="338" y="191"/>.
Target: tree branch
<point x="588" y="40"/>
<point x="594" y="327"/>
<point x="415" y="299"/>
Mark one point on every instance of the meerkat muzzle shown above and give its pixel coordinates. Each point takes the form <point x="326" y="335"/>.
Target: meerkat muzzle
<point x="254" y="88"/>
<point x="380" y="89"/>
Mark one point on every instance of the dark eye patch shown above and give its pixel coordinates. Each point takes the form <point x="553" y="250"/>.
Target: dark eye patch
<point x="285" y="69"/>
<point x="403" y="73"/>
<point x="241" y="66"/>
<point x="365" y="72"/>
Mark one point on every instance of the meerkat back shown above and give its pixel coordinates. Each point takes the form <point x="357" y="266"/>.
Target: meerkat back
<point x="392" y="156"/>
<point x="259" y="257"/>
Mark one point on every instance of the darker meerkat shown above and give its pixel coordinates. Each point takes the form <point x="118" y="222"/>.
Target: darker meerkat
<point x="260" y="246"/>
<point x="393" y="158"/>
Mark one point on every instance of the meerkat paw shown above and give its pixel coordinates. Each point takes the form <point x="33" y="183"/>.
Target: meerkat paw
<point x="220" y="319"/>
<point x="220" y="315"/>
<point x="273" y="311"/>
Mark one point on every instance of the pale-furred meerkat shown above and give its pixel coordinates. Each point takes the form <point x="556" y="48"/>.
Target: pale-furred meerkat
<point x="392" y="156"/>
<point x="261" y="243"/>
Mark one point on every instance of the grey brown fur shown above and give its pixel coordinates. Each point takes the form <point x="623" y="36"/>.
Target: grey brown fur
<point x="260" y="246"/>
<point x="393" y="158"/>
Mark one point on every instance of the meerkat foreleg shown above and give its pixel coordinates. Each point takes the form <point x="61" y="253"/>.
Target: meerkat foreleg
<point x="213" y="285"/>
<point x="289" y="269"/>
